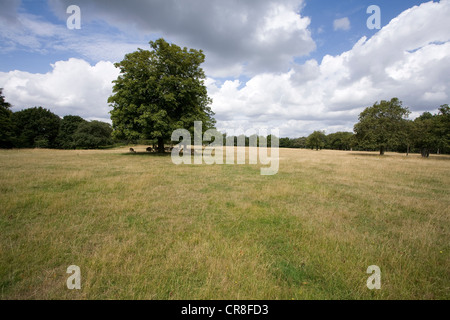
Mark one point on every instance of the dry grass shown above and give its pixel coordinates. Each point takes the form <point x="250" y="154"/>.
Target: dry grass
<point x="140" y="227"/>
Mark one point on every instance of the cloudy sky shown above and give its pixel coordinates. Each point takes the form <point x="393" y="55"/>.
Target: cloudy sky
<point x="295" y="65"/>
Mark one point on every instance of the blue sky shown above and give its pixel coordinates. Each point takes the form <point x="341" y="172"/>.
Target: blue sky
<point x="269" y="64"/>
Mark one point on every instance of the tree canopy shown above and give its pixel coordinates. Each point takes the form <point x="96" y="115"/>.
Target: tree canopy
<point x="316" y="140"/>
<point x="92" y="135"/>
<point x="69" y="125"/>
<point x="443" y="128"/>
<point x="432" y="132"/>
<point x="381" y="125"/>
<point x="340" y="141"/>
<point x="40" y="128"/>
<point x="158" y="91"/>
<point x="6" y="124"/>
<point x="36" y="127"/>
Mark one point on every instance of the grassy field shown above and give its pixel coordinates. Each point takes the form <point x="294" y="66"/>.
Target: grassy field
<point x="140" y="227"/>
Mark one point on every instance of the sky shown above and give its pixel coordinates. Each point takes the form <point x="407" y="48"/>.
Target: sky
<point x="292" y="65"/>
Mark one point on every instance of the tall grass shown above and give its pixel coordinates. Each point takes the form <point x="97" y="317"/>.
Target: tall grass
<point x="140" y="227"/>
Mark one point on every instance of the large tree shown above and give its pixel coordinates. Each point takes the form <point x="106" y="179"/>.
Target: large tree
<point x="159" y="91"/>
<point x="69" y="124"/>
<point x="36" y="127"/>
<point x="381" y="126"/>
<point x="6" y="124"/>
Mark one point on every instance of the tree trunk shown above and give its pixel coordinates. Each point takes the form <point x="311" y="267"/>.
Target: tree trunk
<point x="382" y="151"/>
<point x="160" y="145"/>
<point x="407" y="150"/>
<point x="425" y="153"/>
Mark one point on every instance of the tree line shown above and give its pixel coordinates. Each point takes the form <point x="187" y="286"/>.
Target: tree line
<point x="40" y="128"/>
<point x="319" y="140"/>
<point x="384" y="127"/>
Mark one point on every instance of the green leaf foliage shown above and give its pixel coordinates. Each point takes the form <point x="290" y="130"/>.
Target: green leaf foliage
<point x="6" y="124"/>
<point x="340" y="141"/>
<point x="432" y="132"/>
<point x="381" y="126"/>
<point x="158" y="91"/>
<point x="92" y="135"/>
<point x="69" y="124"/>
<point x="36" y="128"/>
<point x="316" y="140"/>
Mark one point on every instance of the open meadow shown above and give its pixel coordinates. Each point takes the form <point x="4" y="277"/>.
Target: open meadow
<point x="140" y="227"/>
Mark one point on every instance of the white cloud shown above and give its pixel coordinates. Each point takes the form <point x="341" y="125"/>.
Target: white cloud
<point x="341" y="24"/>
<point x="409" y="59"/>
<point x="238" y="37"/>
<point x="72" y="87"/>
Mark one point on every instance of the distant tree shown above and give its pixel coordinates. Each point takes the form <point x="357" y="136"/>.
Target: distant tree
<point x="6" y="124"/>
<point x="432" y="132"/>
<point x="316" y="140"/>
<point x="69" y="124"/>
<point x="424" y="137"/>
<point x="270" y="138"/>
<point x="159" y="91"/>
<point x="410" y="134"/>
<point x="380" y="126"/>
<point x="285" y="143"/>
<point x="36" y="128"/>
<point x="340" y="141"/>
<point x="92" y="135"/>
<point x="299" y="142"/>
<point x="442" y="129"/>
